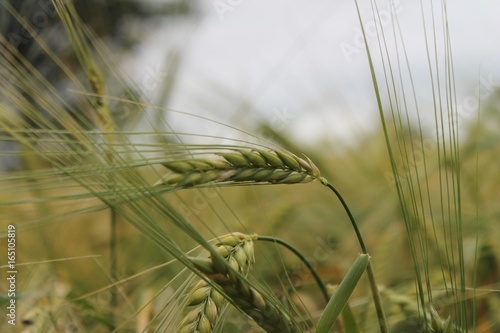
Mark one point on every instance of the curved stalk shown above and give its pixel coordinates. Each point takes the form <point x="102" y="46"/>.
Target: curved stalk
<point x="351" y="217"/>
<point x="371" y="274"/>
<point x="318" y="280"/>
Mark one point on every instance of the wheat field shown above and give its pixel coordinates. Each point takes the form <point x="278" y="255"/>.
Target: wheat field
<point x="114" y="220"/>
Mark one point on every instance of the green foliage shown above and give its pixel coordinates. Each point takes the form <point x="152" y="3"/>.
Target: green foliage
<point x="342" y="294"/>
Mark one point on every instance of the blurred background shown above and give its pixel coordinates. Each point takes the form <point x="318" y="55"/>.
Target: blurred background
<point x="294" y="67"/>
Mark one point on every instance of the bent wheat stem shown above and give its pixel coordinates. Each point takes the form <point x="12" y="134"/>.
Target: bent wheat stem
<point x="371" y="274"/>
<point x="351" y="217"/>
<point x="306" y="262"/>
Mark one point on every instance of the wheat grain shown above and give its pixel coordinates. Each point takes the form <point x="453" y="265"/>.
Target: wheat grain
<point x="205" y="302"/>
<point x="246" y="298"/>
<point x="241" y="166"/>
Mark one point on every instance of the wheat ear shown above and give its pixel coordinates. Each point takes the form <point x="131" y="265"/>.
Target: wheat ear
<point x="204" y="302"/>
<point x="246" y="298"/>
<point x="241" y="166"/>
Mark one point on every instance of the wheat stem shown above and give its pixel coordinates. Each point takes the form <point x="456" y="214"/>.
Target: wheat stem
<point x="371" y="274"/>
<point x="351" y="217"/>
<point x="306" y="262"/>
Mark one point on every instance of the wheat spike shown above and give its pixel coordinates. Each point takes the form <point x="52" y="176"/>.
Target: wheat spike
<point x="246" y="298"/>
<point x="241" y="166"/>
<point x="205" y="302"/>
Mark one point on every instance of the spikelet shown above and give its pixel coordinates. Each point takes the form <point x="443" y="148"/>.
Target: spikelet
<point x="204" y="302"/>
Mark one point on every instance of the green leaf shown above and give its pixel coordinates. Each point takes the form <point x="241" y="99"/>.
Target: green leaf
<point x="350" y="325"/>
<point x="341" y="295"/>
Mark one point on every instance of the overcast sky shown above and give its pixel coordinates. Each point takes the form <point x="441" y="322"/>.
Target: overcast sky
<point x="301" y="63"/>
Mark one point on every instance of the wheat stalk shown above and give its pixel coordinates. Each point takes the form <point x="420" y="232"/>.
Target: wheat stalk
<point x="204" y="301"/>
<point x="241" y="166"/>
<point x="246" y="298"/>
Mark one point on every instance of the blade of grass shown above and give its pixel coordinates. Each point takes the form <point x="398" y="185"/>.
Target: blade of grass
<point x="342" y="294"/>
<point x="349" y="320"/>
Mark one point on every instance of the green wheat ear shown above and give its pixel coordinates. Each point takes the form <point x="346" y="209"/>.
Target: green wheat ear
<point x="239" y="167"/>
<point x="204" y="303"/>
